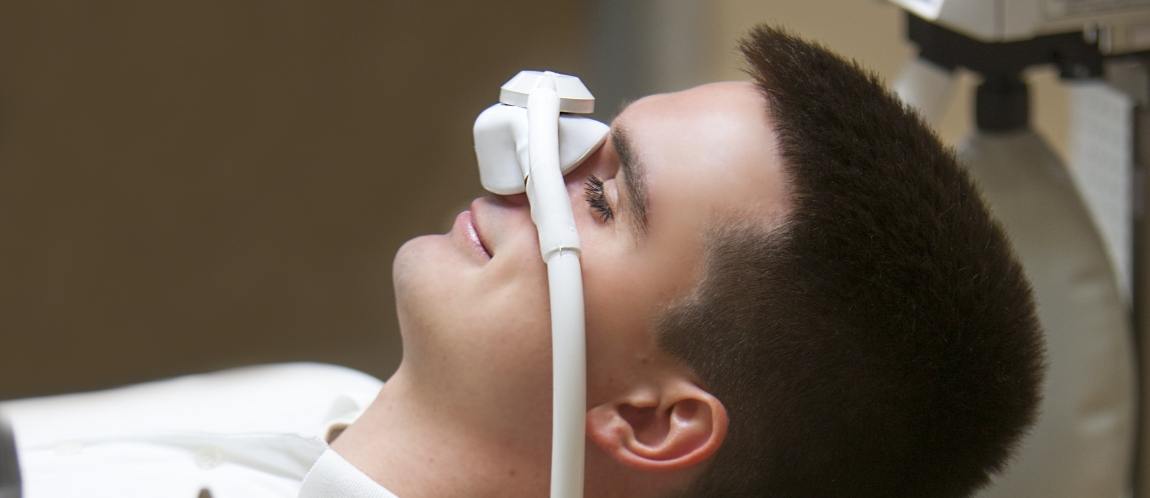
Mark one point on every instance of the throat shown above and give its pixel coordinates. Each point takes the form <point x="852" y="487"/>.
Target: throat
<point x="418" y="451"/>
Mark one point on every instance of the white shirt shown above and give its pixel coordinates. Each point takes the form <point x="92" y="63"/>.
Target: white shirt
<point x="245" y="433"/>
<point x="333" y="476"/>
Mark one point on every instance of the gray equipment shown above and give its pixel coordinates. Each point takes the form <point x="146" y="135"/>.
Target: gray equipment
<point x="1081" y="445"/>
<point x="1084" y="441"/>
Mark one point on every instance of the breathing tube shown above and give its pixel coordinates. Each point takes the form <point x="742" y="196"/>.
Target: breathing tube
<point x="526" y="143"/>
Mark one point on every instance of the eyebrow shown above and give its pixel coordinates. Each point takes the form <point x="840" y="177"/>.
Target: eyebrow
<point x="636" y="181"/>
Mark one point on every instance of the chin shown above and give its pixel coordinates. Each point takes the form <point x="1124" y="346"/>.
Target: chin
<point x="418" y="268"/>
<point x="430" y="275"/>
<point x="406" y="265"/>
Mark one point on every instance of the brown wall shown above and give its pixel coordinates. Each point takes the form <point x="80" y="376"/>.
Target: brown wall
<point x="192" y="185"/>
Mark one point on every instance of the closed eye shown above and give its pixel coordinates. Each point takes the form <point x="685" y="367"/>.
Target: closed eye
<point x="593" y="192"/>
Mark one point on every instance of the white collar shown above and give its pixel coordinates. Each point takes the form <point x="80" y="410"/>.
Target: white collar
<point x="332" y="476"/>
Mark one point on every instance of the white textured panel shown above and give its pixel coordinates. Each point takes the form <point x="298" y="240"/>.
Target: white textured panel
<point x="1101" y="162"/>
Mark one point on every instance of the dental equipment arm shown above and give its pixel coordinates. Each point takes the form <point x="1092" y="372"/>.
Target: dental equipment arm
<point x="555" y="144"/>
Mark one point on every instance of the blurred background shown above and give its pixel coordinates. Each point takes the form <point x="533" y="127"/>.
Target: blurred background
<point x="186" y="186"/>
<point x="189" y="186"/>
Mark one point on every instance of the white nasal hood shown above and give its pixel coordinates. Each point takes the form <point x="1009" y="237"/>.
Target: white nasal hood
<point x="501" y="130"/>
<point x="501" y="145"/>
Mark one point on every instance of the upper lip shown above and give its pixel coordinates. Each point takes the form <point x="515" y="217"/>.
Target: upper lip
<point x="478" y="231"/>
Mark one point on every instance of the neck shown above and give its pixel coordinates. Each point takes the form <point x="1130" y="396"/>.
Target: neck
<point x="417" y="447"/>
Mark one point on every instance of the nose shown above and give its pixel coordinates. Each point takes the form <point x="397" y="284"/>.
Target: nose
<point x="512" y="201"/>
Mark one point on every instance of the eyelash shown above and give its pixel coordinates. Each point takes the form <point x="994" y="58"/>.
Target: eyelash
<point x="593" y="191"/>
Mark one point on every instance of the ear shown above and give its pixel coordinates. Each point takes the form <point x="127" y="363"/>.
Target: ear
<point x="671" y="427"/>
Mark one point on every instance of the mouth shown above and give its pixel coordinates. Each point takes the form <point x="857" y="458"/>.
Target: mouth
<point x="470" y="226"/>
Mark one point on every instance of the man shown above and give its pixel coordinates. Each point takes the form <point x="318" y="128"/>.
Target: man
<point x="791" y="290"/>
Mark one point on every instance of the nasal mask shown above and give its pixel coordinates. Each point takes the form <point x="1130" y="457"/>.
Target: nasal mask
<point x="526" y="143"/>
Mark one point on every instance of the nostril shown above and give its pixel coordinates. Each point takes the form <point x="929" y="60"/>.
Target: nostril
<point x="515" y="200"/>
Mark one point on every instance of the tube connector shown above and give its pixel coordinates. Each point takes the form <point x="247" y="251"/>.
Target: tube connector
<point x="546" y="190"/>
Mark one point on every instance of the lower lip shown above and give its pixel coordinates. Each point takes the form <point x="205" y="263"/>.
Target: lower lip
<point x="464" y="229"/>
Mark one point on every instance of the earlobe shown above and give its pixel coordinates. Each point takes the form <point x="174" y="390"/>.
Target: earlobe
<point x="680" y="427"/>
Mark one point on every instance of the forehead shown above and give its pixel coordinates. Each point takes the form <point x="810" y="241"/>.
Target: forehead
<point x="723" y="101"/>
<point x="707" y="151"/>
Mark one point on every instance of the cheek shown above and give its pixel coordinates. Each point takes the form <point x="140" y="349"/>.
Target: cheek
<point x="619" y="303"/>
<point x="625" y="289"/>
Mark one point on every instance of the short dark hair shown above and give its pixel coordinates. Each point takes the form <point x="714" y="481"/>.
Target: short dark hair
<point x="882" y="340"/>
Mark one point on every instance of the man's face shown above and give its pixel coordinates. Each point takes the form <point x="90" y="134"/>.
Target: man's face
<point x="476" y="329"/>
